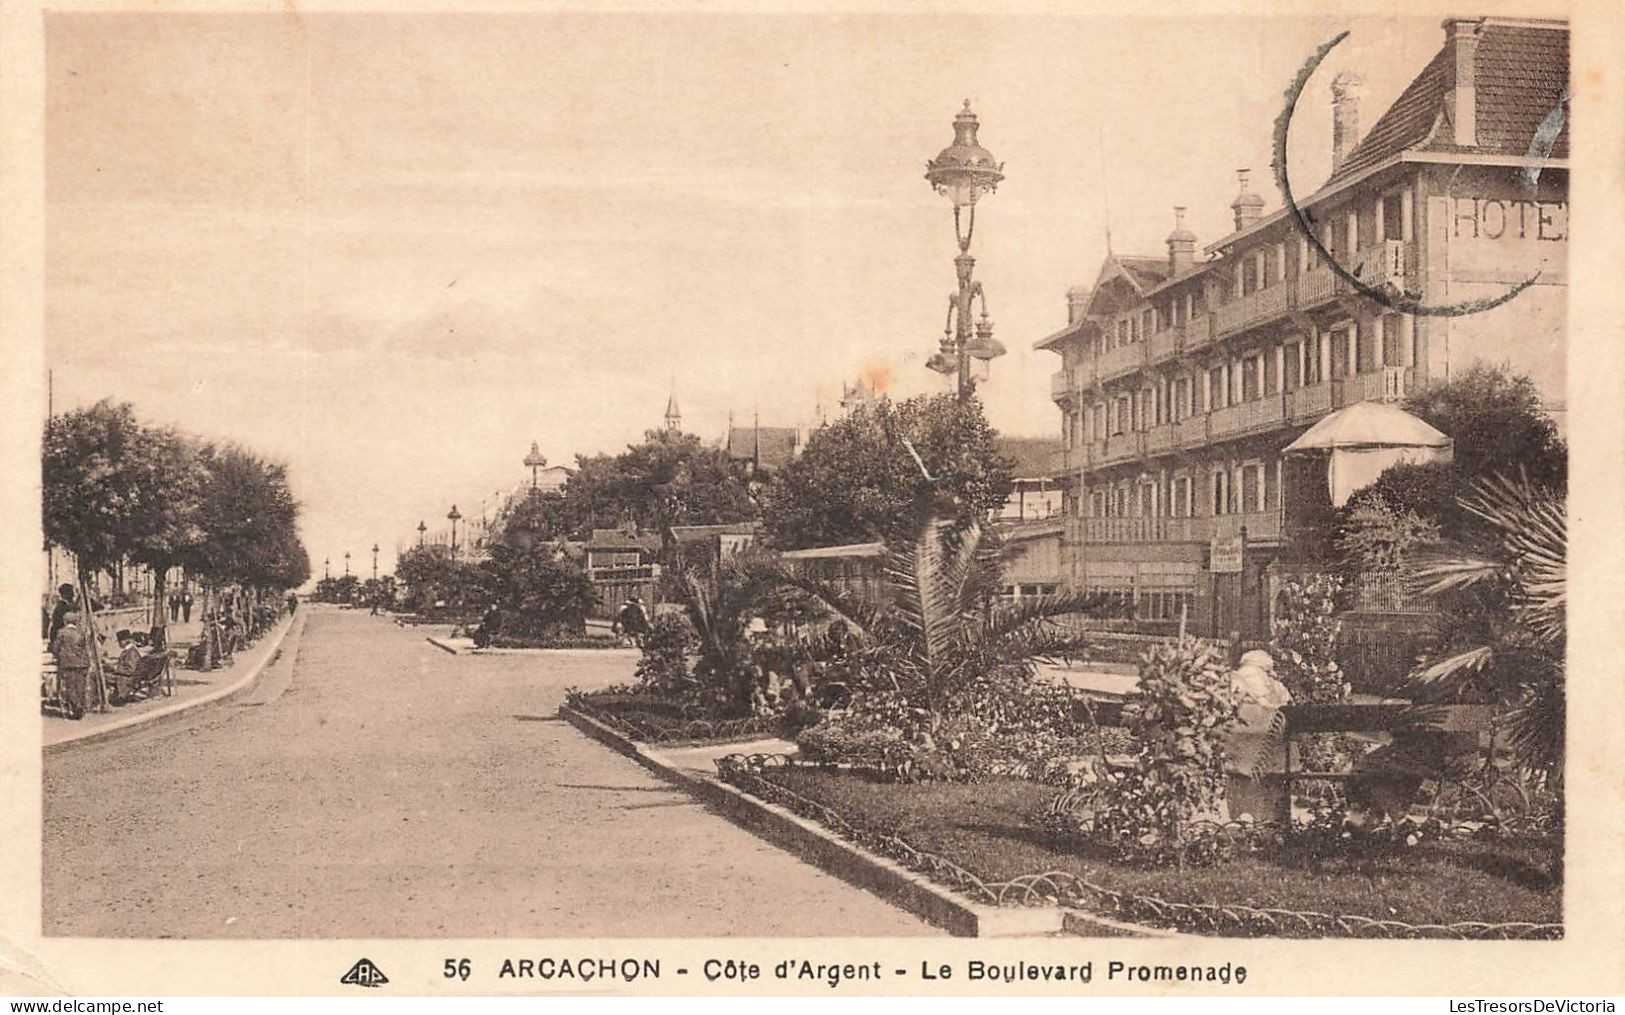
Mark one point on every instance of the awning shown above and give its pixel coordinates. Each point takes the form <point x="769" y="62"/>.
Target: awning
<point x="1364" y="440"/>
<point x="1369" y="425"/>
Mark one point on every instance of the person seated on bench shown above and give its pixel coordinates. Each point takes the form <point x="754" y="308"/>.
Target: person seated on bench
<point x="126" y="669"/>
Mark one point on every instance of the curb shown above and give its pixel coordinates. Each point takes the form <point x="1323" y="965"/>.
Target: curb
<point x="231" y="691"/>
<point x="825" y="850"/>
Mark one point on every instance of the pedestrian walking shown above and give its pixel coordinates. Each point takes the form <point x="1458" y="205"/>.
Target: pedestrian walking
<point x="72" y="651"/>
<point x="186" y="606"/>
<point x="174" y="607"/>
<point x="64" y="605"/>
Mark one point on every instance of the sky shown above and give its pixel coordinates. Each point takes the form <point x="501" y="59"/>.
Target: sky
<point x="393" y="250"/>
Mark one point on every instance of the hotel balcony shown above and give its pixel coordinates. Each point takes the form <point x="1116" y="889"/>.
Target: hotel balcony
<point x="1120" y="447"/>
<point x="1198" y="331"/>
<point x="1125" y="359"/>
<point x="1254" y="308"/>
<point x="1165" y="344"/>
<point x="1307" y="404"/>
<point x="1389" y="384"/>
<point x="1246" y="417"/>
<point x="1161" y="440"/>
<point x="1389" y="263"/>
<point x="1262" y="527"/>
<point x="1060" y="385"/>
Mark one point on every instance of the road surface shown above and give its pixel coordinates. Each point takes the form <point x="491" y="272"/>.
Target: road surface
<point x="374" y="786"/>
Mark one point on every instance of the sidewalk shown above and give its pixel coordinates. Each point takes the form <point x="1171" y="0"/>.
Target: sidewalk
<point x="192" y="688"/>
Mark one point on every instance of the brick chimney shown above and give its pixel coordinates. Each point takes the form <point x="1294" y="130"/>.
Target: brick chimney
<point x="1248" y="207"/>
<point x="1461" y="44"/>
<point x="1347" y="88"/>
<point x="1181" y="244"/>
<point x="1077" y="301"/>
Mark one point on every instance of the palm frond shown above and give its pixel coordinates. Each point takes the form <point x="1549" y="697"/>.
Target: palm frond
<point x="1455" y="668"/>
<point x="862" y="616"/>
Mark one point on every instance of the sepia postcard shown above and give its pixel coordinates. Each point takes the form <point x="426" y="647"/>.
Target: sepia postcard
<point x="870" y="498"/>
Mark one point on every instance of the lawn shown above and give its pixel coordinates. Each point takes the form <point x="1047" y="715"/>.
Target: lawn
<point x="992" y="829"/>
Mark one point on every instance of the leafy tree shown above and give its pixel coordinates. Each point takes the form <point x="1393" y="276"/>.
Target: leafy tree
<point x="431" y="575"/>
<point x="249" y="520"/>
<point x="543" y="590"/>
<point x="116" y="489"/>
<point x="669" y="479"/>
<point x="857" y="480"/>
<point x="1498" y="424"/>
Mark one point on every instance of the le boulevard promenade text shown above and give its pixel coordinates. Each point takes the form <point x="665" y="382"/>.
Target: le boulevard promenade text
<point x="837" y="974"/>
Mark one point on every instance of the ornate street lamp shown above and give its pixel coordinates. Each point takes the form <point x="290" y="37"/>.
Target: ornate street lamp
<point x="422" y="528"/>
<point x="453" y="515"/>
<point x="346" y="563"/>
<point x="327" y="568"/>
<point x="536" y="462"/>
<point x="965" y="172"/>
<point x="375" y="562"/>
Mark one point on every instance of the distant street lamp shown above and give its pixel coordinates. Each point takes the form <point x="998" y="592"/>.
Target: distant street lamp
<point x="422" y="528"/>
<point x="327" y="568"/>
<point x="346" y="563"/>
<point x="964" y="172"/>
<point x="375" y="562"/>
<point x="536" y="462"/>
<point x="453" y="515"/>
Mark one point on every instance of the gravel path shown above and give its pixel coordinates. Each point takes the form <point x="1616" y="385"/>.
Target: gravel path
<point x="375" y="786"/>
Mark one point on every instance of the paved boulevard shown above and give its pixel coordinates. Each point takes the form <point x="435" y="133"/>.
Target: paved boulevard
<point x="374" y="786"/>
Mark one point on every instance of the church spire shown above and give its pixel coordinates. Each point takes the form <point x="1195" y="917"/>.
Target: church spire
<point x="674" y="415"/>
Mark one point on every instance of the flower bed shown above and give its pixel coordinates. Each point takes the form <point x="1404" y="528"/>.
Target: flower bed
<point x="988" y="839"/>
<point x="594" y="641"/>
<point x="659" y="719"/>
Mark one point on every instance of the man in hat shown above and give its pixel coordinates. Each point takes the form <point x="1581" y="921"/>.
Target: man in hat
<point x="64" y="605"/>
<point x="72" y="651"/>
<point x="126" y="667"/>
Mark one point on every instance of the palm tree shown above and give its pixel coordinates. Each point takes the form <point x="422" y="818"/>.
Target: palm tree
<point x="940" y="630"/>
<point x="1505" y="593"/>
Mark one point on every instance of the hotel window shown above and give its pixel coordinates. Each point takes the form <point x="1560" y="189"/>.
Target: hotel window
<point x="1365" y="350"/>
<point x="1121" y="500"/>
<point x="1221" y="491"/>
<point x="1311" y="366"/>
<point x="1252" y="488"/>
<point x="1290" y="356"/>
<point x="1100" y="423"/>
<point x="1122" y="332"/>
<point x="1148" y="322"/>
<point x="1181" y="499"/>
<point x="1215" y="388"/>
<point x="1392" y="354"/>
<point x="1340" y="353"/>
<point x="1249" y="274"/>
<point x="1250" y="387"/>
<point x="1393" y="221"/>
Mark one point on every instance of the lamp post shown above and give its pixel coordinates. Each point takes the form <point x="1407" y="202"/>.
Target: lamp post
<point x="536" y="462"/>
<point x="422" y="528"/>
<point x="327" y="568"/>
<point x="964" y="172"/>
<point x="453" y="515"/>
<point x="375" y="562"/>
<point x="346" y="563"/>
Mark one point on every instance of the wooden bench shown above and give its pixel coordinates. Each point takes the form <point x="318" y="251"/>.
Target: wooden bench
<point x="1276" y="765"/>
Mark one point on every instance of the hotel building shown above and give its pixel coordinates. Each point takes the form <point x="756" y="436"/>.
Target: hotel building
<point x="1182" y="379"/>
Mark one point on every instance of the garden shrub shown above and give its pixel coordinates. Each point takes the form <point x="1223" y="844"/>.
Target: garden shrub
<point x="663" y="665"/>
<point x="1178" y="719"/>
<point x="1304" y="645"/>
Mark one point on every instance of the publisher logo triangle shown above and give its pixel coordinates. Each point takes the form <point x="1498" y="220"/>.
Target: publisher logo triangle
<point x="364" y="974"/>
